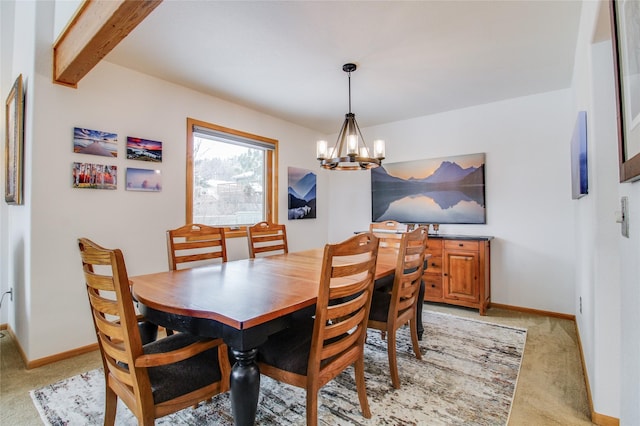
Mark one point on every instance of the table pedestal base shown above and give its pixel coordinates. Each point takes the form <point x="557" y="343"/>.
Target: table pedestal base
<point x="245" y="387"/>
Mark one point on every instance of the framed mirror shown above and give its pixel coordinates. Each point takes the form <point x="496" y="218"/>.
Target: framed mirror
<point x="625" y="25"/>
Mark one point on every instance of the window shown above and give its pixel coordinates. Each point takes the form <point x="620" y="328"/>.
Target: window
<point x="231" y="177"/>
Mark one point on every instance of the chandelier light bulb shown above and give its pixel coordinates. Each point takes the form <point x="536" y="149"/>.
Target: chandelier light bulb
<point x="352" y="145"/>
<point x="321" y="150"/>
<point x="378" y="149"/>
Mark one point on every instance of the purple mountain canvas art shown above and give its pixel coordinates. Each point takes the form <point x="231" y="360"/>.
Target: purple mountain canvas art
<point x="302" y="194"/>
<point x="439" y="190"/>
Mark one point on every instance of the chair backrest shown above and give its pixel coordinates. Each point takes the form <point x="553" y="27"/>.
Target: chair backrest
<point x="390" y="232"/>
<point x="115" y="321"/>
<point x="266" y="237"/>
<point x="342" y="308"/>
<point x="194" y="244"/>
<point x="408" y="275"/>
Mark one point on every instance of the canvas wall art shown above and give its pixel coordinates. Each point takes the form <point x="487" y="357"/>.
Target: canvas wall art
<point x="144" y="150"/>
<point x="302" y="193"/>
<point x="579" y="181"/>
<point x="144" y="180"/>
<point x="95" y="142"/>
<point x="438" y="190"/>
<point x="94" y="176"/>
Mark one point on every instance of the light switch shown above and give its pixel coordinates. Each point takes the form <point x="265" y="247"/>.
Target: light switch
<point x="623" y="217"/>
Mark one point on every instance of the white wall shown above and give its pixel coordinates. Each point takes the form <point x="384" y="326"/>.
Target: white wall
<point x="18" y="39"/>
<point x="528" y="190"/>
<point x="598" y="263"/>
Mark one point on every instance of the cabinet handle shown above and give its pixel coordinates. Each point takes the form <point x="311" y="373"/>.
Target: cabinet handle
<point x="433" y="286"/>
<point x="460" y="244"/>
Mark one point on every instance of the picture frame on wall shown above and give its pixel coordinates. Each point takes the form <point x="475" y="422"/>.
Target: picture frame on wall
<point x="447" y="190"/>
<point x="95" y="142"/>
<point x="302" y="193"/>
<point x="144" y="150"/>
<point x="14" y="143"/>
<point x="579" y="175"/>
<point x="625" y="25"/>
<point x="144" y="180"/>
<point x="94" y="176"/>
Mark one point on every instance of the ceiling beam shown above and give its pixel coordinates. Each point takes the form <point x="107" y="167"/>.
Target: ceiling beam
<point x="96" y="28"/>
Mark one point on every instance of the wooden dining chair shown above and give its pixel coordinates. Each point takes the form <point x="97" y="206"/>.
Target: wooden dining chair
<point x="158" y="378"/>
<point x="391" y="310"/>
<point x="194" y="244"/>
<point x="315" y="350"/>
<point x="389" y="232"/>
<point x="266" y="237"/>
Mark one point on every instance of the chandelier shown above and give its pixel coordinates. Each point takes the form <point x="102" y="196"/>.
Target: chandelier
<point x="350" y="151"/>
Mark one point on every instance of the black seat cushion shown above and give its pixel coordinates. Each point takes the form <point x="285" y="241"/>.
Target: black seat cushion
<point x="289" y="349"/>
<point x="380" y="302"/>
<point x="173" y="380"/>
<point x="384" y="283"/>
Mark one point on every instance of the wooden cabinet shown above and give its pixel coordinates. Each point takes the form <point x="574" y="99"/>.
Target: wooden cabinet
<point x="458" y="271"/>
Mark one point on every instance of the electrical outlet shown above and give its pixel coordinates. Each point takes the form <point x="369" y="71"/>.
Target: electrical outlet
<point x="11" y="294"/>
<point x="580" y="304"/>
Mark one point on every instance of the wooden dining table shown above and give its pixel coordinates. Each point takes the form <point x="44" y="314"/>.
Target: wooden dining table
<point x="242" y="301"/>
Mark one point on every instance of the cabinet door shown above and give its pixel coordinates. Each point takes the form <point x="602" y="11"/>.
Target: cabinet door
<point x="461" y="276"/>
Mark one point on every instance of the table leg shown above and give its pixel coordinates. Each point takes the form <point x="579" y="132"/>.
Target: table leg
<point x="245" y="387"/>
<point x="419" y="310"/>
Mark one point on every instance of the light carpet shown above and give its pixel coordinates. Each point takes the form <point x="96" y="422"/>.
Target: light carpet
<point x="467" y="376"/>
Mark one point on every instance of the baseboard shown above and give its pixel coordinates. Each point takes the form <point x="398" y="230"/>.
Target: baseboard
<point x="596" y="418"/>
<point x="534" y="311"/>
<point x="603" y="420"/>
<point x="49" y="359"/>
<point x="60" y="356"/>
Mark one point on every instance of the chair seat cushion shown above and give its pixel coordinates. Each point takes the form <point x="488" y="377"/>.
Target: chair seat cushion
<point x="380" y="302"/>
<point x="289" y="349"/>
<point x="384" y="284"/>
<point x="173" y="380"/>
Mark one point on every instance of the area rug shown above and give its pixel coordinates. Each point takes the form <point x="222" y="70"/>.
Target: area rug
<point x="467" y="376"/>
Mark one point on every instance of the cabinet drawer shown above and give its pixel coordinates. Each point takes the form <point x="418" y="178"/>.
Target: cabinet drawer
<point x="432" y="286"/>
<point x="434" y="265"/>
<point x="434" y="246"/>
<point x="462" y="245"/>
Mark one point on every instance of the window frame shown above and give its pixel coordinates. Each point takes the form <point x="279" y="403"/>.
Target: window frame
<point x="271" y="178"/>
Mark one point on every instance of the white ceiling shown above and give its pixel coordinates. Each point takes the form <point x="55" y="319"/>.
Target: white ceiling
<point x="414" y="58"/>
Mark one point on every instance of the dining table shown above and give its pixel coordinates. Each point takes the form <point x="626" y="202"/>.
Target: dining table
<point x="243" y="302"/>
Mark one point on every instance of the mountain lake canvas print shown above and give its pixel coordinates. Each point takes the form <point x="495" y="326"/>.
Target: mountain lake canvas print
<point x="439" y="190"/>
<point x="302" y="194"/>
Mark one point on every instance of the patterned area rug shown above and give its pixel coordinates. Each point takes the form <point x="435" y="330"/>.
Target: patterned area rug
<point x="467" y="376"/>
